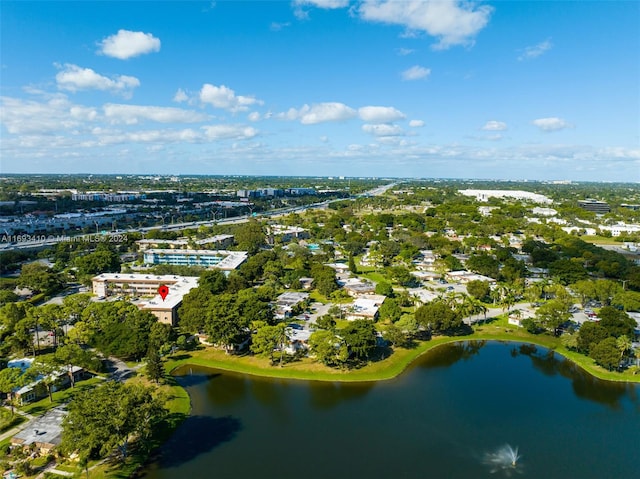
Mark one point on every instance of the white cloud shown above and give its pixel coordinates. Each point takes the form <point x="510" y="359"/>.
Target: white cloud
<point x="74" y="78"/>
<point x="621" y="152"/>
<point x="493" y="125"/>
<point x="452" y="22"/>
<point x="229" y="132"/>
<point x="326" y="4"/>
<point x="383" y="130"/>
<point x="55" y="115"/>
<point x="302" y="14"/>
<point x="132" y="114"/>
<point x="416" y="72"/>
<point x="180" y="96"/>
<point x="495" y="137"/>
<point x="416" y="123"/>
<point x="276" y="27"/>
<point x="536" y="50"/>
<point x="225" y="98"/>
<point x="319" y="113"/>
<point x="127" y="44"/>
<point x="380" y="114"/>
<point x="147" y="136"/>
<point x="254" y="116"/>
<point x="404" y="51"/>
<point x="551" y="124"/>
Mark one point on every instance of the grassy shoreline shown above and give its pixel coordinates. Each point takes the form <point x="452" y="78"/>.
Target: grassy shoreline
<point x="390" y="367"/>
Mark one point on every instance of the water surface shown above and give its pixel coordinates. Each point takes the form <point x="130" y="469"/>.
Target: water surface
<point x="448" y="416"/>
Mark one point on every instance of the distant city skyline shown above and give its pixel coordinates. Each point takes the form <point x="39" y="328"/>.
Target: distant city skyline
<point x="373" y="88"/>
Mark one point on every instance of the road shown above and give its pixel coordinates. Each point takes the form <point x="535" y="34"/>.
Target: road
<point x="53" y="239"/>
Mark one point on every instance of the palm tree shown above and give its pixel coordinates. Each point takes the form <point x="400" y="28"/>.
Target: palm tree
<point x="623" y="343"/>
<point x="480" y="308"/>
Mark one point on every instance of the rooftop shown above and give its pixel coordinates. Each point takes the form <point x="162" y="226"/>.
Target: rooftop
<point x="45" y="429"/>
<point x="176" y="293"/>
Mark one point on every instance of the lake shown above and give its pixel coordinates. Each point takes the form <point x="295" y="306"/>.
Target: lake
<point x="450" y="415"/>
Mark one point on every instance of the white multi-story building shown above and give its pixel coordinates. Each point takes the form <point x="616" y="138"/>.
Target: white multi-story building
<point x="484" y="195"/>
<point x="219" y="259"/>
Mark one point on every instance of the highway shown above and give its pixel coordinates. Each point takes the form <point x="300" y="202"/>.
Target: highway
<point x="114" y="237"/>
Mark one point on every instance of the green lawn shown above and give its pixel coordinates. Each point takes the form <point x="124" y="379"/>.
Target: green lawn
<point x="595" y="239"/>
<point x="59" y="397"/>
<point x="376" y="277"/>
<point x="7" y="421"/>
<point x="389" y="367"/>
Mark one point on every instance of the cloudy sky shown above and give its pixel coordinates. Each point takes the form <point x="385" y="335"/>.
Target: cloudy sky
<point x="412" y="88"/>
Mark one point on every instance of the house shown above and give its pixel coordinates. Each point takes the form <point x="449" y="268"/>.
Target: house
<point x="426" y="275"/>
<point x="306" y="283"/>
<point x="297" y="340"/>
<point x="365" y="307"/>
<point x="357" y="287"/>
<point x="339" y="267"/>
<point x="517" y="316"/>
<point x="466" y="276"/>
<point x="36" y="390"/>
<point x="45" y="431"/>
<point x="286" y="302"/>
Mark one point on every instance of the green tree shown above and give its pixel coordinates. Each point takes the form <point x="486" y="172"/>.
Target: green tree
<point x="384" y="289"/>
<point x="624" y="345"/>
<point x="328" y="348"/>
<point x="585" y="289"/>
<point x="569" y="341"/>
<point x="552" y="314"/>
<point x="47" y="371"/>
<point x="484" y="264"/>
<point x="108" y="417"/>
<point x="408" y="325"/>
<point x="71" y="355"/>
<point x="103" y="260"/>
<point x="390" y="310"/>
<point x="360" y="337"/>
<point x="324" y="279"/>
<point x="267" y="339"/>
<point x="223" y="323"/>
<point x="567" y="271"/>
<point x="606" y="353"/>
<point x="605" y="290"/>
<point x="39" y="278"/>
<point x="193" y="311"/>
<point x="352" y="265"/>
<point x="155" y="369"/>
<point x="160" y="335"/>
<point x="627" y="300"/>
<point x="252" y="307"/>
<point x="11" y="379"/>
<point x="250" y="236"/>
<point x="396" y="336"/>
<point x="213" y="280"/>
<point x="616" y="322"/>
<point x="7" y="296"/>
<point x="438" y="316"/>
<point x="478" y="289"/>
<point x="326" y="322"/>
<point x="75" y="304"/>
<point x="590" y="334"/>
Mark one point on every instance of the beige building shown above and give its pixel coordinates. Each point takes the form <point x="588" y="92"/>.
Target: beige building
<point x="166" y="310"/>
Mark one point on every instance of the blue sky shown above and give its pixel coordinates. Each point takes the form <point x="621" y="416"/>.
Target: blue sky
<point x="502" y="90"/>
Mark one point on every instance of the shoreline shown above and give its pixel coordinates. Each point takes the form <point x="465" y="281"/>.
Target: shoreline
<point x="387" y="368"/>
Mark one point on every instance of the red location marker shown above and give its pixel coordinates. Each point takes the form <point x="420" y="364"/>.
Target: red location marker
<point x="163" y="291"/>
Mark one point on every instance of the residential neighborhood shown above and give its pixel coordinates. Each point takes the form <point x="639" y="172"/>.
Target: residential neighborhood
<point x="336" y="285"/>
